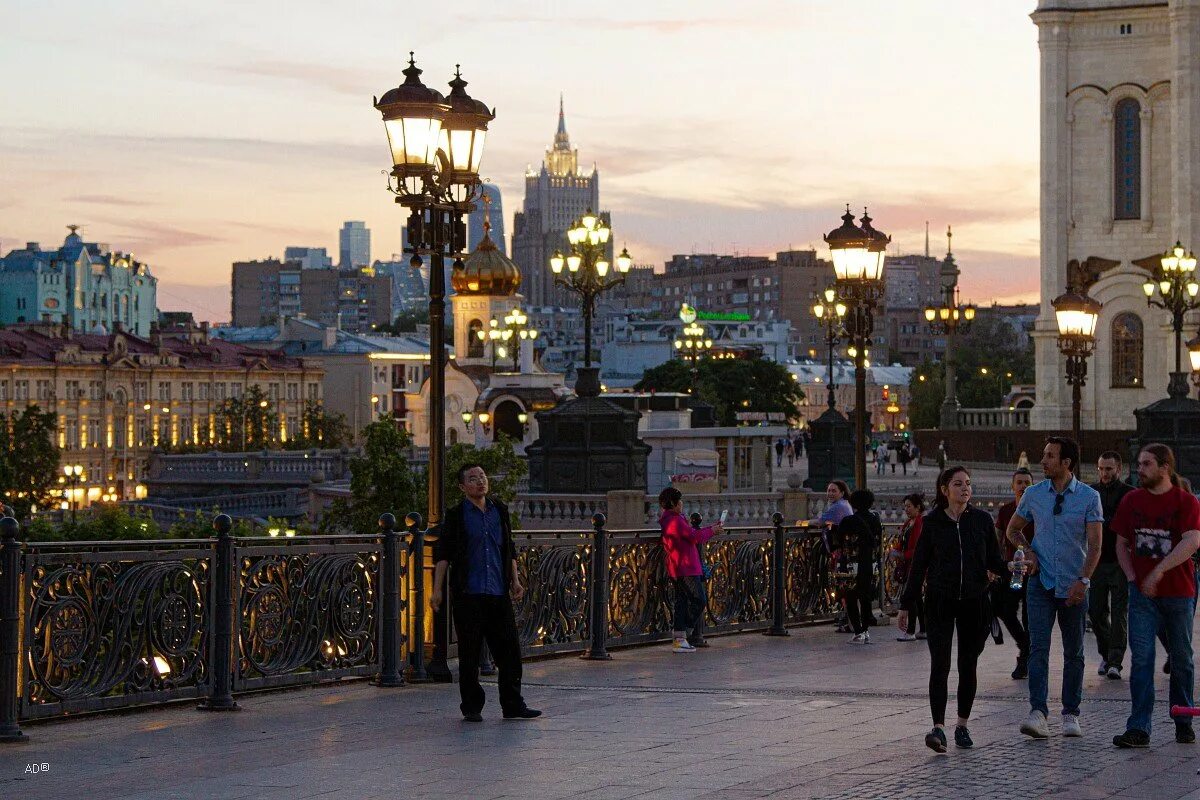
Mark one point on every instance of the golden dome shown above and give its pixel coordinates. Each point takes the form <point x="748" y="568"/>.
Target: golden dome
<point x="487" y="271"/>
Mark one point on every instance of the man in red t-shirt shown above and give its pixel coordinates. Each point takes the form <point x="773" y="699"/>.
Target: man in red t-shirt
<point x="1158" y="530"/>
<point x="1009" y="606"/>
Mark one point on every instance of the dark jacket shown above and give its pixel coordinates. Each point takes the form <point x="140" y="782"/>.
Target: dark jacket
<point x="1110" y="498"/>
<point x="451" y="545"/>
<point x="861" y="533"/>
<point x="953" y="558"/>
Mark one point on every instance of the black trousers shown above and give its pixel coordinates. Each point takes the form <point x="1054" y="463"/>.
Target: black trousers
<point x="858" y="604"/>
<point x="916" y="620"/>
<point x="944" y="616"/>
<point x="487" y="618"/>
<point x="697" y="632"/>
<point x="1008" y="606"/>
<point x="690" y="598"/>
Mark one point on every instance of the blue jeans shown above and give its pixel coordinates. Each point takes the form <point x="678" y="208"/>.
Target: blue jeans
<point x="1043" y="607"/>
<point x="1146" y="616"/>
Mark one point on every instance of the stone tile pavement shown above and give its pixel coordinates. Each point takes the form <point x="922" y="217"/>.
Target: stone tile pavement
<point x="808" y="716"/>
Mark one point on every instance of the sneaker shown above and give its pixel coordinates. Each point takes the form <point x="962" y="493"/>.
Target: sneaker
<point x="475" y="717"/>
<point x="859" y="638"/>
<point x="524" y="713"/>
<point x="1185" y="734"/>
<point x="962" y="737"/>
<point x="1132" y="738"/>
<point x="1167" y="666"/>
<point x="1071" y="726"/>
<point x="906" y="637"/>
<point x="935" y="740"/>
<point x="921" y="635"/>
<point x="1102" y="670"/>
<point x="701" y="642"/>
<point x="1114" y="673"/>
<point x="683" y="646"/>
<point x="1021" y="671"/>
<point x="1035" y="726"/>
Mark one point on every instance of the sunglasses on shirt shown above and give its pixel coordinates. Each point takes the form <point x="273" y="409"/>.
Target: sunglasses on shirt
<point x="1058" y="503"/>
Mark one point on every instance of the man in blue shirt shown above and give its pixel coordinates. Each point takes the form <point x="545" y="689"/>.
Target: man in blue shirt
<point x="1060" y="562"/>
<point x="475" y="546"/>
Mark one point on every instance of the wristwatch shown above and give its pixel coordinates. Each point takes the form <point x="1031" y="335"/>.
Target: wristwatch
<point x="1087" y="582"/>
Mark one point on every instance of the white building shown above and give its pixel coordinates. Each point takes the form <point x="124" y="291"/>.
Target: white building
<point x="1120" y="127"/>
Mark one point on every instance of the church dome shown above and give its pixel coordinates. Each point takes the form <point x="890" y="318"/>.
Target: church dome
<point x="487" y="271"/>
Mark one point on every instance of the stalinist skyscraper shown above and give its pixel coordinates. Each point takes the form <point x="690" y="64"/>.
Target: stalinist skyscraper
<point x="555" y="196"/>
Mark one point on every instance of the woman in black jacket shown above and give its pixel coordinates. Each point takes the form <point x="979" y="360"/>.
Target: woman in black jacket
<point x="956" y="559"/>
<point x="860" y="534"/>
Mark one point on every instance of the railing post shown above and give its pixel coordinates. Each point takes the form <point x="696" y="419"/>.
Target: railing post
<point x="389" y="662"/>
<point x="10" y="629"/>
<point x="416" y="672"/>
<point x="778" y="597"/>
<point x="225" y="575"/>
<point x="598" y="592"/>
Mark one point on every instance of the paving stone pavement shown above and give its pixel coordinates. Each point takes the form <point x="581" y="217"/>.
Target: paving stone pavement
<point x="808" y="716"/>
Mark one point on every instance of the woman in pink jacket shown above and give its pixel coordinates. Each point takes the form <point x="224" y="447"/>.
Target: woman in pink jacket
<point x="679" y="542"/>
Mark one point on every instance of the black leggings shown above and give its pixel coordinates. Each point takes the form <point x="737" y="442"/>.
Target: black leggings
<point x="942" y="616"/>
<point x="858" y="604"/>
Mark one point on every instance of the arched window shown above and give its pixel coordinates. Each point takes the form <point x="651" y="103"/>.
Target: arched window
<point x="474" y="343"/>
<point x="1127" y="346"/>
<point x="1127" y="160"/>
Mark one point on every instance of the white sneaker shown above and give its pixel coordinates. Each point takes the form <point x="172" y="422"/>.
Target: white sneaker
<point x="1035" y="726"/>
<point x="682" y="646"/>
<point x="861" y="638"/>
<point x="906" y="637"/>
<point x="1071" y="725"/>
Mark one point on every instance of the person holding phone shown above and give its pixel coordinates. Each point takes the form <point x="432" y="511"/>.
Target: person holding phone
<point x="679" y="543"/>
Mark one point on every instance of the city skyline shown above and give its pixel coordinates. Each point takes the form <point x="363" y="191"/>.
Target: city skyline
<point x="194" y="157"/>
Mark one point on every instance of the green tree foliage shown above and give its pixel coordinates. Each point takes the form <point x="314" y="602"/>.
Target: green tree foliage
<point x="28" y="459"/>
<point x="381" y="480"/>
<point x="499" y="460"/>
<point x="246" y="422"/>
<point x="988" y="361"/>
<point x="730" y="385"/>
<point x="322" y="429"/>
<point x="109" y="523"/>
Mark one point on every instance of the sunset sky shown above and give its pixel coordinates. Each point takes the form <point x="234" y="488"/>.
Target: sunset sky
<point x="228" y="131"/>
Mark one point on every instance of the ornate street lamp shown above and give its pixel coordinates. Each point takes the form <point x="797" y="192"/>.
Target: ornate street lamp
<point x="586" y="274"/>
<point x="1175" y="280"/>
<point x="893" y="409"/>
<point x="73" y="474"/>
<point x="1077" y="314"/>
<point x="693" y="342"/>
<point x="858" y="259"/>
<point x="832" y="312"/>
<point x="949" y="318"/>
<point x="437" y="147"/>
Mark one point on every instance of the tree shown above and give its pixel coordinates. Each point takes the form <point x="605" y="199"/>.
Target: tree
<point x="322" y="428"/>
<point x="28" y="459"/>
<point x="382" y="480"/>
<point x="246" y="422"/>
<point x="730" y="385"/>
<point x="499" y="460"/>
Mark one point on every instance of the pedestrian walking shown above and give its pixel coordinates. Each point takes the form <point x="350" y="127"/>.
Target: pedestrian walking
<point x="789" y="450"/>
<point x="1158" y="530"/>
<point x="916" y="458"/>
<point x="905" y="456"/>
<point x="860" y="535"/>
<point x="954" y="556"/>
<point x="779" y="452"/>
<point x="910" y="534"/>
<point x="881" y="458"/>
<point x="1108" y="599"/>
<point x="1023" y="461"/>
<point x="942" y="455"/>
<point x="1009" y="604"/>
<point x="798" y="444"/>
<point x="1059" y="565"/>
<point x="475" y="547"/>
<point x="679" y="543"/>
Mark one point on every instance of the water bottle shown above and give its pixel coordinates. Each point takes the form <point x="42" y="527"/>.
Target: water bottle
<point x="1018" y="570"/>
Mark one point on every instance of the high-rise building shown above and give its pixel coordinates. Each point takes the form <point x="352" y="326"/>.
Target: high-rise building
<point x="354" y="245"/>
<point x="84" y="284"/>
<point x="267" y="292"/>
<point x="309" y="257"/>
<point x="555" y="196"/>
<point x="489" y="207"/>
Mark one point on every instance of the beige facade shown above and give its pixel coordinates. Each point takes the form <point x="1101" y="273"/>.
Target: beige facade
<point x="120" y="396"/>
<point x="1120" y="127"/>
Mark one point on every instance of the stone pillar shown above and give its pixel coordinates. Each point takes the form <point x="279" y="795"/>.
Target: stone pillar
<point x="626" y="509"/>
<point x="1185" y="118"/>
<point x="795" y="505"/>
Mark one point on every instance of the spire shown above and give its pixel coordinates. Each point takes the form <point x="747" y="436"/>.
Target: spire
<point x="949" y="241"/>
<point x="561" y="140"/>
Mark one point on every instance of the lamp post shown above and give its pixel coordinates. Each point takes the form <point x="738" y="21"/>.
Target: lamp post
<point x="1193" y="347"/>
<point x="693" y="342"/>
<point x="893" y="409"/>
<point x="1077" y="314"/>
<point x="832" y="312"/>
<point x="1175" y="280"/>
<point x="858" y="258"/>
<point x="948" y="318"/>
<point x="515" y="329"/>
<point x="587" y="270"/>
<point x="74" y="474"/>
<point x="437" y="146"/>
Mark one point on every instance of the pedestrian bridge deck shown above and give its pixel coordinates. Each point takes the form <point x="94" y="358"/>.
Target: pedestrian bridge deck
<point x="808" y="716"/>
